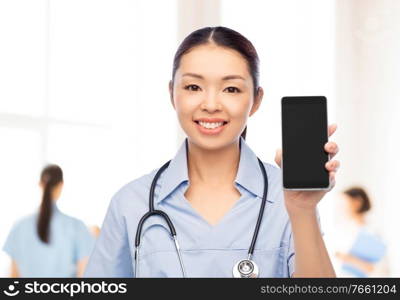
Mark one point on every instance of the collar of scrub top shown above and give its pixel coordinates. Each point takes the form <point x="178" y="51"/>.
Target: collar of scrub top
<point x="249" y="174"/>
<point x="55" y="208"/>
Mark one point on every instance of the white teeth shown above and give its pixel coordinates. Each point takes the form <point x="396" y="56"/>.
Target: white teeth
<point x="210" y="125"/>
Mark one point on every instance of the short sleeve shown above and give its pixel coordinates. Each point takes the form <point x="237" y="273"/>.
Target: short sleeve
<point x="84" y="241"/>
<point x="11" y="245"/>
<point x="111" y="255"/>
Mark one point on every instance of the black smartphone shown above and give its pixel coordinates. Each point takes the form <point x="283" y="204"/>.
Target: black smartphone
<point x="304" y="134"/>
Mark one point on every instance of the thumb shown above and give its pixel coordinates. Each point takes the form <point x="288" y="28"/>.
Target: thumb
<point x="278" y="157"/>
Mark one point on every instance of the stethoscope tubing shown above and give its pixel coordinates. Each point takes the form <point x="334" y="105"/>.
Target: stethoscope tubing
<point x="153" y="212"/>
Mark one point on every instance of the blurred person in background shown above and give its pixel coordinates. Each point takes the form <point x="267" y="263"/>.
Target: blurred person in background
<point x="49" y="243"/>
<point x="366" y="248"/>
<point x="94" y="230"/>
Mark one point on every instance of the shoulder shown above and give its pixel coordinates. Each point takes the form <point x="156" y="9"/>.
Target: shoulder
<point x="274" y="173"/>
<point x="277" y="208"/>
<point x="275" y="186"/>
<point x="20" y="230"/>
<point x="24" y="222"/>
<point x="371" y="229"/>
<point x="76" y="223"/>
<point x="133" y="196"/>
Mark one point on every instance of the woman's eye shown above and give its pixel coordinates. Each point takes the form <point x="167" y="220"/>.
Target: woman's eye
<point x="232" y="89"/>
<point x="191" y="87"/>
<point x="194" y="87"/>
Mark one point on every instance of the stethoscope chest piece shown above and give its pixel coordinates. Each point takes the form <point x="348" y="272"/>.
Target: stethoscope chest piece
<point x="245" y="268"/>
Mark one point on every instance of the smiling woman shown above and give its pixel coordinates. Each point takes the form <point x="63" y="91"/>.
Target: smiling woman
<point x="215" y="190"/>
<point x="226" y="61"/>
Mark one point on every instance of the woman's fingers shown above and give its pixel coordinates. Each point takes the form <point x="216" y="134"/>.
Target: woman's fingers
<point x="332" y="165"/>
<point x="332" y="148"/>
<point x="331" y="129"/>
<point x="278" y="157"/>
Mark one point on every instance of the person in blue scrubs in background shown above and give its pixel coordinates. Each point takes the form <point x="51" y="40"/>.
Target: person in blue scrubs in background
<point x="213" y="189"/>
<point x="367" y="248"/>
<point x="49" y="243"/>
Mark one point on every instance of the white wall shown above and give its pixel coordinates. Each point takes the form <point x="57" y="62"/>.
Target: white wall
<point x="368" y="109"/>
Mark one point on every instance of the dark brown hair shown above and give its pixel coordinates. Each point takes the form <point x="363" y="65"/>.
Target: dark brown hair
<point x="358" y="193"/>
<point x="50" y="177"/>
<point x="224" y="37"/>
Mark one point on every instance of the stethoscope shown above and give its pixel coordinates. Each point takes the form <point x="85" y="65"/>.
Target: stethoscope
<point x="245" y="268"/>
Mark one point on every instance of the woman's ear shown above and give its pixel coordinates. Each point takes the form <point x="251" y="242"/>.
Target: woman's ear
<point x="257" y="100"/>
<point x="171" y="92"/>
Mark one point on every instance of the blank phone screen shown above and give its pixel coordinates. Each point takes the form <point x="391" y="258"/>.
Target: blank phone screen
<point x="304" y="134"/>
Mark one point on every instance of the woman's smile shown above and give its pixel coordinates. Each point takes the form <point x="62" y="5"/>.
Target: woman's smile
<point x="210" y="126"/>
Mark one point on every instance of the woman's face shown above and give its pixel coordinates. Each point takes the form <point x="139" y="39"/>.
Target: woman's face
<point x="57" y="191"/>
<point x="213" y="95"/>
<point x="352" y="205"/>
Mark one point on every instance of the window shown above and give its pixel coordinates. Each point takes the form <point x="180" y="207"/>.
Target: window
<point x="85" y="87"/>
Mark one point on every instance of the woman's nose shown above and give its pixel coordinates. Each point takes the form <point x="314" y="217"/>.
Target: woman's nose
<point x="211" y="102"/>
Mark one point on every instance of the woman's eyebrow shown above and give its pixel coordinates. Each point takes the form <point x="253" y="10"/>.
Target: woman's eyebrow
<point x="228" y="77"/>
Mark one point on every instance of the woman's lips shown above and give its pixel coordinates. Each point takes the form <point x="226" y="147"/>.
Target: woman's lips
<point x="210" y="131"/>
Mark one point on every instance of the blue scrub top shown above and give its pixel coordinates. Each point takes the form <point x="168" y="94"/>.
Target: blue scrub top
<point x="70" y="241"/>
<point x="367" y="246"/>
<point x="207" y="250"/>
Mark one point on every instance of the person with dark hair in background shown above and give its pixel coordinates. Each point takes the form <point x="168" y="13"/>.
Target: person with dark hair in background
<point x="49" y="243"/>
<point x="367" y="249"/>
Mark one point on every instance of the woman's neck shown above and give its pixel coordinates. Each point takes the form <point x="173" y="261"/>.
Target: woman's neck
<point x="359" y="219"/>
<point x="213" y="168"/>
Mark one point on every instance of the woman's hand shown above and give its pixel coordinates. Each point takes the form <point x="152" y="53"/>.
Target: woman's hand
<point x="344" y="257"/>
<point x="305" y="202"/>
